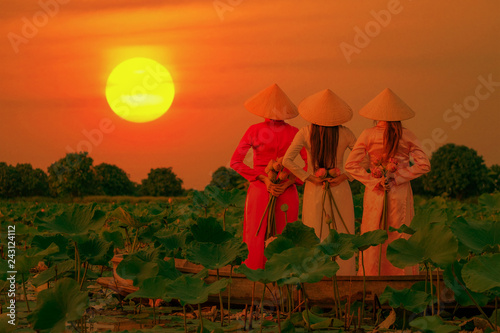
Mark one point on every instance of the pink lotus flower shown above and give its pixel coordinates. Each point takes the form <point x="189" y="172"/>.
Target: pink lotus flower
<point x="321" y="173"/>
<point x="391" y="167"/>
<point x="272" y="175"/>
<point x="377" y="172"/>
<point x="283" y="175"/>
<point x="335" y="172"/>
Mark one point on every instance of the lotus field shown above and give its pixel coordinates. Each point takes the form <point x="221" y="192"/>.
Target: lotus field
<point x="55" y="257"/>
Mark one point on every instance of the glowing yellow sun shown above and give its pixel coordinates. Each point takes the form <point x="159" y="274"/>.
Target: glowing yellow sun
<point x="140" y="90"/>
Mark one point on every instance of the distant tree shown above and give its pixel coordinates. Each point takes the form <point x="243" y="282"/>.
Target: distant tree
<point x="494" y="176"/>
<point x="113" y="181"/>
<point x="9" y="181"/>
<point x="227" y="179"/>
<point x="457" y="171"/>
<point x="162" y="182"/>
<point x="73" y="175"/>
<point x="31" y="182"/>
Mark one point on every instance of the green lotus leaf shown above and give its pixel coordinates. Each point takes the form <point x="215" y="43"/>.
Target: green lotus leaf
<point x="173" y="241"/>
<point x="226" y="199"/>
<point x="338" y="245"/>
<point x="152" y="288"/>
<point x="433" y="324"/>
<point x="209" y="230"/>
<point x="58" y="305"/>
<point x="166" y="269"/>
<point x="403" y="229"/>
<point x="43" y="241"/>
<point x="300" y="234"/>
<point x="200" y="199"/>
<point x="370" y="238"/>
<point x="278" y="245"/>
<point x="460" y="294"/>
<point x="412" y="300"/>
<point x="482" y="273"/>
<point x="96" y="251"/>
<point x="490" y="202"/>
<point x="28" y="259"/>
<point x="476" y="235"/>
<point x="133" y="268"/>
<point x="215" y="255"/>
<point x="302" y="265"/>
<point x="315" y="320"/>
<point x="75" y="221"/>
<point x="270" y="273"/>
<point x="426" y="216"/>
<point x="116" y="237"/>
<point x="435" y="244"/>
<point x="57" y="269"/>
<point x="190" y="290"/>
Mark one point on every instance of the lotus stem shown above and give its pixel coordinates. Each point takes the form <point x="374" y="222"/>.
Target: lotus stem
<point x="383" y="226"/>
<point x="262" y="218"/>
<point x="438" y="291"/>
<point x="404" y="319"/>
<point x="135" y="240"/>
<point x="86" y="265"/>
<point x="24" y="292"/>
<point x="432" y="301"/>
<point x="307" y="307"/>
<point x="335" y="300"/>
<point x="262" y="307"/>
<point x="229" y="293"/>
<point x="473" y="300"/>
<point x="322" y="212"/>
<point x="184" y="312"/>
<point x="221" y="304"/>
<point x="278" y="312"/>
<point x="338" y="211"/>
<point x="201" y="317"/>
<point x="364" y="284"/>
<point x="251" y="307"/>
<point x="154" y="312"/>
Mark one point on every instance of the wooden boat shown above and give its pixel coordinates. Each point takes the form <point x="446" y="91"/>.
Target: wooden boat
<point x="321" y="293"/>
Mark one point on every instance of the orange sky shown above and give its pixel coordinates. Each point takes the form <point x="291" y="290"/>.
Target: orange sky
<point x="433" y="54"/>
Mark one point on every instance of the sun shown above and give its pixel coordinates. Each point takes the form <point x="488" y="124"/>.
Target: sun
<point x="140" y="90"/>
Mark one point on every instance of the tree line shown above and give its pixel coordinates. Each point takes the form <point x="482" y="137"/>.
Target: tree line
<point x="456" y="172"/>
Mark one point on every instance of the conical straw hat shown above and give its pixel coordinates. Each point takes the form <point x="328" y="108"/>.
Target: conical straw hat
<point x="387" y="106"/>
<point x="325" y="108"/>
<point x="272" y="103"/>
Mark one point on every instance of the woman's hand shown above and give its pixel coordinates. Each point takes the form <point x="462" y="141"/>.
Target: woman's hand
<point x="337" y="180"/>
<point x="315" y="180"/>
<point x="386" y="183"/>
<point x="269" y="184"/>
<point x="278" y="189"/>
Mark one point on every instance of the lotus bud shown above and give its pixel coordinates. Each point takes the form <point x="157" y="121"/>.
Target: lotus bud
<point x="277" y="166"/>
<point x="272" y="175"/>
<point x="335" y="172"/>
<point x="269" y="166"/>
<point x="321" y="173"/>
<point x="377" y="172"/>
<point x="280" y="160"/>
<point x="283" y="175"/>
<point x="391" y="167"/>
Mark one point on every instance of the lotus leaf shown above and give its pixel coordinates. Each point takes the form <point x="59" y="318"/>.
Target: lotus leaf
<point x="338" y="245"/>
<point x="152" y="288"/>
<point x="302" y="265"/>
<point x="403" y="229"/>
<point x="490" y="202"/>
<point x="482" y="273"/>
<point x="433" y="324"/>
<point x="460" y="294"/>
<point x="278" y="245"/>
<point x="209" y="230"/>
<point x="300" y="234"/>
<point x="412" y="300"/>
<point x="116" y="237"/>
<point x="434" y="243"/>
<point x="43" y="241"/>
<point x="370" y="238"/>
<point x="226" y="199"/>
<point x="215" y="255"/>
<point x="426" y="216"/>
<point x="166" y="269"/>
<point x="476" y="235"/>
<point x="190" y="290"/>
<point x="133" y="268"/>
<point x="270" y="273"/>
<point x="56" y="306"/>
<point x="50" y="273"/>
<point x="75" y="221"/>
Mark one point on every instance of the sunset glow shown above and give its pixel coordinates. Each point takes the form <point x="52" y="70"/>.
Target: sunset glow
<point x="140" y="90"/>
